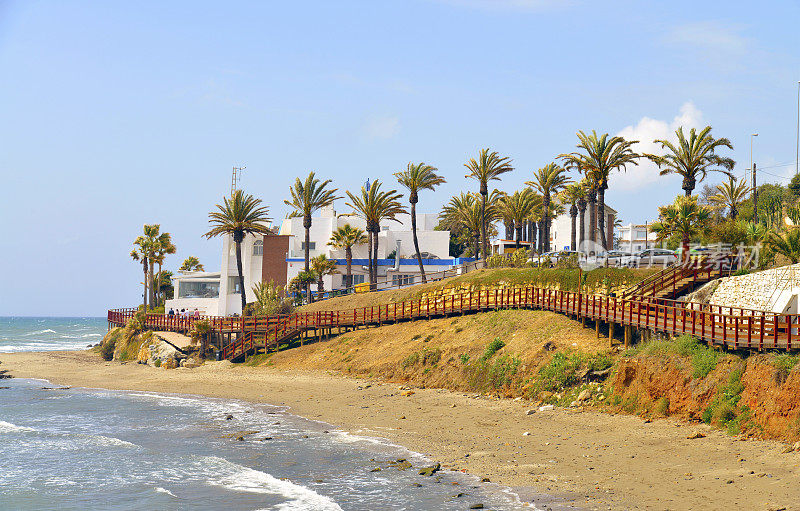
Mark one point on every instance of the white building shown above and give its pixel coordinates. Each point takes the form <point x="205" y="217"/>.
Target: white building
<point x="561" y="229"/>
<point x="394" y="238"/>
<point x="218" y="293"/>
<point x="279" y="258"/>
<point x="634" y="238"/>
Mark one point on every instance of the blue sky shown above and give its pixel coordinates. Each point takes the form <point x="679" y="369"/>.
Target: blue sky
<point x="117" y="114"/>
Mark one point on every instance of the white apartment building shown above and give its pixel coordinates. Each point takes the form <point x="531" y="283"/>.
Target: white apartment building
<point x="279" y="258"/>
<point x="218" y="293"/>
<point x="394" y="237"/>
<point x="634" y="238"/>
<point x="561" y="229"/>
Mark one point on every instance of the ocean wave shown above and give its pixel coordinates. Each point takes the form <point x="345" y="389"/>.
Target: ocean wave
<point x="244" y="479"/>
<point x="7" y="427"/>
<point x="159" y="489"/>
<point x="91" y="335"/>
<point x="39" y="332"/>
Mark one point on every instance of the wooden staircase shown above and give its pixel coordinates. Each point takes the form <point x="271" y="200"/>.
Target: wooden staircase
<point x="682" y="278"/>
<point x="253" y="341"/>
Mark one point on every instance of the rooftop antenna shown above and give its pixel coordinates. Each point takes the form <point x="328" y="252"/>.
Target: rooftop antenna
<point x="236" y="176"/>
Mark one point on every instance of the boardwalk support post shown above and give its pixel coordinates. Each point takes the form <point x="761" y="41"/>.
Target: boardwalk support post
<point x="627" y="331"/>
<point x="611" y="333"/>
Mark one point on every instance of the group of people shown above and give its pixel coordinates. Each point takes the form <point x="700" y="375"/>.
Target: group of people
<point x="185" y="313"/>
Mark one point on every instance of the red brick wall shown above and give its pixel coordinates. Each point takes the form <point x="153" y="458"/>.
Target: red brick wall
<point x="273" y="264"/>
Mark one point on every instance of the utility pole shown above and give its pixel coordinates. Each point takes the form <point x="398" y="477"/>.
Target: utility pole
<point x="755" y="196"/>
<point x="236" y="176"/>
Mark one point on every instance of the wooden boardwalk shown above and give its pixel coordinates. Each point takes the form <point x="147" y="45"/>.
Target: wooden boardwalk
<point x="730" y="327"/>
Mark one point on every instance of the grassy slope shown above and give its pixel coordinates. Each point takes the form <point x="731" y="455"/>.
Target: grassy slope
<point x="451" y="352"/>
<point x="599" y="280"/>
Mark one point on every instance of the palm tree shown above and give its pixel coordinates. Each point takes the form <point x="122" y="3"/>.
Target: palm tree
<point x="786" y="243"/>
<point x="346" y="237"/>
<point x="146" y="246"/>
<point x="489" y="166"/>
<point x="374" y="206"/>
<point x="519" y="207"/>
<point x="692" y="159"/>
<point x="729" y="195"/>
<point x="573" y="194"/>
<point x="191" y="263"/>
<point x="308" y="197"/>
<point x="548" y="181"/>
<point x="416" y="177"/>
<point x="597" y="157"/>
<point x="237" y="216"/>
<point x="321" y="266"/>
<point x="685" y="218"/>
<point x="163" y="248"/>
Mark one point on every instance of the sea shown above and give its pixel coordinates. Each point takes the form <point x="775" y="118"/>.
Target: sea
<point x="77" y="449"/>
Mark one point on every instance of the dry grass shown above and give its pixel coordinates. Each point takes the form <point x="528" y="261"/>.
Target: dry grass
<point x="443" y="352"/>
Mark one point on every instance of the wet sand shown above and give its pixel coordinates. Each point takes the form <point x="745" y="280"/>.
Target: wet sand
<point x="580" y="458"/>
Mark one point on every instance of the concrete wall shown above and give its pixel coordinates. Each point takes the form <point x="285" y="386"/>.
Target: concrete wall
<point x="773" y="290"/>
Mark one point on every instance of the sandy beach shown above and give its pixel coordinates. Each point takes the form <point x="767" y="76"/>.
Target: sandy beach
<point x="585" y="459"/>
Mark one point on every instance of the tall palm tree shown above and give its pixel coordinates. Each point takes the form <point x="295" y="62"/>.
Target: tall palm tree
<point x="307" y="197"/>
<point x="346" y="237"/>
<point x="597" y="157"/>
<point x="489" y="166"/>
<point x="685" y="218"/>
<point x="729" y="195"/>
<point x="321" y="266"/>
<point x="416" y="177"/>
<point x="548" y="181"/>
<point x="373" y="206"/>
<point x="694" y="157"/>
<point x="519" y="207"/>
<point x="572" y="194"/>
<point x="164" y="247"/>
<point x="192" y="263"/>
<point x="145" y="251"/>
<point x="237" y="216"/>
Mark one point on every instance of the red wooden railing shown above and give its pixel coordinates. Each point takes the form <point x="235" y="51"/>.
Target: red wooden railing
<point x="732" y="327"/>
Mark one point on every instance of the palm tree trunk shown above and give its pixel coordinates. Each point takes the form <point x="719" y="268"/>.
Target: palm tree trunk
<point x="307" y="226"/>
<point x="518" y="229"/>
<point x="582" y="225"/>
<point x="593" y="217"/>
<point x="237" y="239"/>
<point x="546" y="226"/>
<point x="483" y="225"/>
<point x="601" y="216"/>
<point x="152" y="284"/>
<point x="348" y="254"/>
<point x="573" y="213"/>
<point x="375" y="255"/>
<point x="477" y="246"/>
<point x="416" y="242"/>
<point x="541" y="236"/>
<point x="532" y="236"/>
<point x="369" y="257"/>
<point x="144" y="293"/>
<point x="158" y="285"/>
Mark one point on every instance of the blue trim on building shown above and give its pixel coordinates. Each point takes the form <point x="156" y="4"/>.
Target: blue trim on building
<point x="390" y="262"/>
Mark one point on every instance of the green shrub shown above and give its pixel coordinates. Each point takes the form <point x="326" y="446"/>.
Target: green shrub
<point x="662" y="406"/>
<point x="499" y="374"/>
<point x="410" y="360"/>
<point x="493" y="347"/>
<point x="464" y="358"/>
<point x="704" y="358"/>
<point x="107" y="348"/>
<point x="431" y="356"/>
<point x="784" y="363"/>
<point x="559" y="373"/>
<point x="157" y="362"/>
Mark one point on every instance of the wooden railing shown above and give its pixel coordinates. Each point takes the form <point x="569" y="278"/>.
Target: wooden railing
<point x="732" y="327"/>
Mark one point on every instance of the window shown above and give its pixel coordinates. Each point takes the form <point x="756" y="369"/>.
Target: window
<point x="258" y="248"/>
<point x="641" y="234"/>
<point x="357" y="279"/>
<point x="402" y="280"/>
<point x="311" y="246"/>
<point x="233" y="286"/>
<point x="191" y="289"/>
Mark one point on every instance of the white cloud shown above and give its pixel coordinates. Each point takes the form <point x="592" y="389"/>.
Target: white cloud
<point x="646" y="131"/>
<point x="709" y="37"/>
<point x="382" y="127"/>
